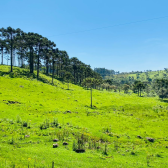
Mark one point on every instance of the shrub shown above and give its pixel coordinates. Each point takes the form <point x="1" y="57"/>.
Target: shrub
<point x="44" y="125"/>
<point x="18" y="119"/>
<point x="105" y="149"/>
<point x="24" y="124"/>
<point x="55" y="122"/>
<point x="12" y="141"/>
<point x="13" y="74"/>
<point x="74" y="147"/>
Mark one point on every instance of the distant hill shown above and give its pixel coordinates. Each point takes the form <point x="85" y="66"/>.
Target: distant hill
<point x="130" y="77"/>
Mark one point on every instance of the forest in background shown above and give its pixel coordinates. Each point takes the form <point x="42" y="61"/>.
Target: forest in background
<point x="150" y="83"/>
<point x="44" y="124"/>
<point x="35" y="52"/>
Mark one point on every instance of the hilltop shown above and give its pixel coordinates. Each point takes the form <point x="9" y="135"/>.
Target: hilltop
<point x="132" y="76"/>
<point x="114" y="133"/>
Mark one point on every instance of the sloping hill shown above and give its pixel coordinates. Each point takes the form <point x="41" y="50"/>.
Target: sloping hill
<point x="33" y="113"/>
<point x="143" y="76"/>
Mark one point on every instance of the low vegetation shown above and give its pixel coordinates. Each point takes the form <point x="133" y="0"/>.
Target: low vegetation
<point x="45" y="124"/>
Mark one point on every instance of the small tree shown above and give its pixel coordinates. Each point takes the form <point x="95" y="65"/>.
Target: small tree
<point x="68" y="77"/>
<point x="10" y="35"/>
<point x="161" y="87"/>
<point x="3" y="44"/>
<point x="138" y="85"/>
<point x="89" y="82"/>
<point x="126" y="88"/>
<point x="113" y="87"/>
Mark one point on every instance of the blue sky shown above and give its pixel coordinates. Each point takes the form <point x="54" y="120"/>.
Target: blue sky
<point x="122" y="43"/>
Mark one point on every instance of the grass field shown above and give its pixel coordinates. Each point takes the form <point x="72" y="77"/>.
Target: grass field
<point x="140" y="76"/>
<point x="33" y="113"/>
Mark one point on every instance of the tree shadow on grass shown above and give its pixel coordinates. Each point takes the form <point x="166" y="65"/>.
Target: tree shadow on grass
<point x="69" y="89"/>
<point x="4" y="73"/>
<point x="89" y="107"/>
<point x="55" y="77"/>
<point x="163" y="100"/>
<point x="17" y="73"/>
<point x="22" y="73"/>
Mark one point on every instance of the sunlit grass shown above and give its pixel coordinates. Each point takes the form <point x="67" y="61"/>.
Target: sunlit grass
<point x="29" y="109"/>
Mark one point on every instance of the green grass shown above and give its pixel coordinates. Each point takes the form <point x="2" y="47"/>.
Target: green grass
<point x="140" y="76"/>
<point x="33" y="113"/>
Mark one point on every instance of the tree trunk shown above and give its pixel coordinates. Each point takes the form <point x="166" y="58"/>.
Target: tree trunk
<point x="38" y="62"/>
<point x="77" y="77"/>
<point x="60" y="69"/>
<point x="31" y="60"/>
<point x="53" y="72"/>
<point x="50" y="68"/>
<point x="11" y="56"/>
<point x="74" y="76"/>
<point x="21" y="59"/>
<point x="18" y="61"/>
<point x="2" y="55"/>
<point x="57" y="69"/>
<point x="91" y="96"/>
<point x="47" y="66"/>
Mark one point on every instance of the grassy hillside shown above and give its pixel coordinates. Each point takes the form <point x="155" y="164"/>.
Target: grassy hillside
<point x="33" y="113"/>
<point x="144" y="76"/>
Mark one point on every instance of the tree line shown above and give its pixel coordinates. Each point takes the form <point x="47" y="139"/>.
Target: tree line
<point x="105" y="72"/>
<point x="38" y="52"/>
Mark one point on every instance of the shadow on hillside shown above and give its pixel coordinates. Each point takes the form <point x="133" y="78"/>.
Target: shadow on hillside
<point x="55" y="77"/>
<point x="70" y="89"/>
<point x="4" y="73"/>
<point x="17" y="73"/>
<point x="162" y="100"/>
<point x="21" y="73"/>
<point x="25" y="73"/>
<point x="93" y="107"/>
